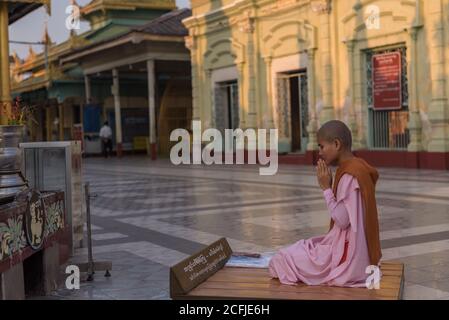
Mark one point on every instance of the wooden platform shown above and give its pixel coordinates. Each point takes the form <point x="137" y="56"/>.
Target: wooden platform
<point x="253" y="283"/>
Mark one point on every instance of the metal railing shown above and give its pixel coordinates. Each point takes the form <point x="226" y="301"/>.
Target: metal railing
<point x="389" y="129"/>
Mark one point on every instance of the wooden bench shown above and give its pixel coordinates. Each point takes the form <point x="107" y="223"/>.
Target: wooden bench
<point x="256" y="283"/>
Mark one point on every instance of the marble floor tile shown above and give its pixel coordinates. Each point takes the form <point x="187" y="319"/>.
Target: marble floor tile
<point x="149" y="215"/>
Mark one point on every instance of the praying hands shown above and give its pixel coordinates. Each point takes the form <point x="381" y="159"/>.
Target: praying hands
<point x="324" y="175"/>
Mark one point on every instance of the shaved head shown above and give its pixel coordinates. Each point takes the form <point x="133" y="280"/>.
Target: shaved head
<point x="336" y="129"/>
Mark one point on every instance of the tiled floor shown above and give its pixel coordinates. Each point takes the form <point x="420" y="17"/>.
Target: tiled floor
<point x="150" y="215"/>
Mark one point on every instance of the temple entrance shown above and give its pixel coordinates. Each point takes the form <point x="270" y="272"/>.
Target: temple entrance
<point x="294" y="87"/>
<point x="227" y="105"/>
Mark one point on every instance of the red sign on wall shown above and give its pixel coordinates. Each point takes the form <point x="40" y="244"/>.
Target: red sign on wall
<point x="387" y="84"/>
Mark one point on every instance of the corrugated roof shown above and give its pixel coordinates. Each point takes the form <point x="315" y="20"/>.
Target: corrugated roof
<point x="169" y="24"/>
<point x="18" y="10"/>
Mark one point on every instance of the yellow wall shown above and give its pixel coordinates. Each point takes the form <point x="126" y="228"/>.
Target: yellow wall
<point x="258" y="38"/>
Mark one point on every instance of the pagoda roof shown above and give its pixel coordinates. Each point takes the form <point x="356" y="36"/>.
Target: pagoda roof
<point x="167" y="26"/>
<point x="104" y="5"/>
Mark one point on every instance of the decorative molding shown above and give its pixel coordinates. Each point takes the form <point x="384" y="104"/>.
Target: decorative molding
<point x="311" y="52"/>
<point x="278" y="5"/>
<point x="268" y="60"/>
<point x="305" y="34"/>
<point x="190" y="43"/>
<point x="12" y="236"/>
<point x="413" y="31"/>
<point x="54" y="218"/>
<point x="13" y="239"/>
<point x="216" y="26"/>
<point x="350" y="44"/>
<point x="231" y="47"/>
<point x="321" y="6"/>
<point x="246" y="23"/>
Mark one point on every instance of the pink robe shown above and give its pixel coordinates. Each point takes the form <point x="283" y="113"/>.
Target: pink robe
<point x="317" y="261"/>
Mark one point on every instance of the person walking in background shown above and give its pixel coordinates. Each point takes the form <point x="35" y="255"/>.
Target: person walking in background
<point x="106" y="139"/>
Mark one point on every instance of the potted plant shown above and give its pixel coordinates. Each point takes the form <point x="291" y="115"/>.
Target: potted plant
<point x="12" y="181"/>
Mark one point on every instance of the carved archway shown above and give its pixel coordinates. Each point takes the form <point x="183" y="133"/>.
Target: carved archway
<point x="223" y="53"/>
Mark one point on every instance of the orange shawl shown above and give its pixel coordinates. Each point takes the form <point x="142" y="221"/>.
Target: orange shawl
<point x="367" y="177"/>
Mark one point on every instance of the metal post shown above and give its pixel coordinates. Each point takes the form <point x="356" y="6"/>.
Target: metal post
<point x="90" y="260"/>
<point x="90" y="267"/>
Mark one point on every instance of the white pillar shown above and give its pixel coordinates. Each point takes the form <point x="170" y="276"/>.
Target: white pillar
<point x="243" y="111"/>
<point x="438" y="109"/>
<point x="251" y="111"/>
<point x="353" y="124"/>
<point x="268" y="121"/>
<point x="88" y="96"/>
<point x="152" y="108"/>
<point x="327" y="113"/>
<point x="196" y="103"/>
<point x="414" y="123"/>
<point x="312" y="126"/>
<point x="87" y="88"/>
<point x="118" y="117"/>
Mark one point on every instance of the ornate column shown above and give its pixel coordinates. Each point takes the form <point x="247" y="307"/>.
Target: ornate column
<point x="5" y="94"/>
<point x="242" y="90"/>
<point x="438" y="109"/>
<point x="360" y="109"/>
<point x="209" y="107"/>
<point x="246" y="25"/>
<point x="268" y="113"/>
<point x="353" y="123"/>
<point x="414" y="124"/>
<point x="312" y="127"/>
<point x="191" y="45"/>
<point x="323" y="8"/>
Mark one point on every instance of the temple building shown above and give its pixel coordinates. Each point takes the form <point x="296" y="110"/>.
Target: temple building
<point x="125" y="70"/>
<point x="378" y="65"/>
